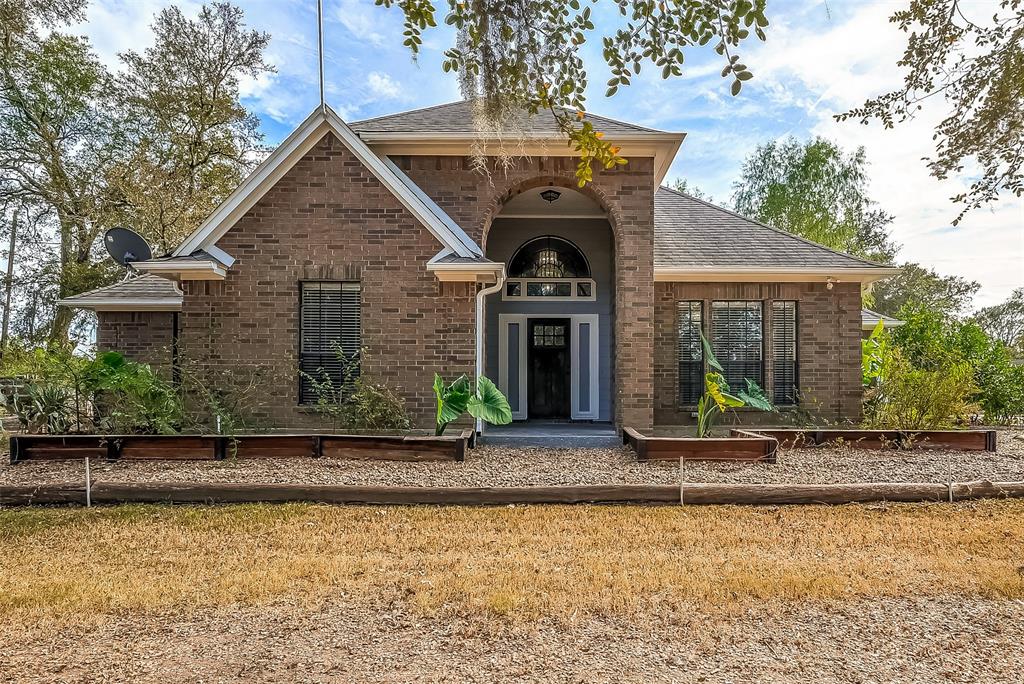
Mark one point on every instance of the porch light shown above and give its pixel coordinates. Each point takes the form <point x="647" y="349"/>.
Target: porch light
<point x="550" y="195"/>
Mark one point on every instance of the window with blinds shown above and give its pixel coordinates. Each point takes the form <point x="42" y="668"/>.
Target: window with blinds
<point x="784" y="361"/>
<point x="691" y="354"/>
<point x="737" y="338"/>
<point x="330" y="336"/>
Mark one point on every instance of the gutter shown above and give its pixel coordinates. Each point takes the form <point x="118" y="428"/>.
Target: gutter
<point x="866" y="274"/>
<point x="500" y="282"/>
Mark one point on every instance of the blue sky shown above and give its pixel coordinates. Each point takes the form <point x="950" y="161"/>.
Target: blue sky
<point x="820" y="59"/>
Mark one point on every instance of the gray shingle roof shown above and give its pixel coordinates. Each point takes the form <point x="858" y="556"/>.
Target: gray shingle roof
<point x="143" y="287"/>
<point x="692" y="233"/>
<point x="869" y="319"/>
<point x="198" y="255"/>
<point x="457" y="117"/>
<point x="456" y="259"/>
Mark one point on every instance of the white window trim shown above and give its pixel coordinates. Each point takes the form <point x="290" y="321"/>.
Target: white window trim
<point x="505" y="296"/>
<point x="521" y="412"/>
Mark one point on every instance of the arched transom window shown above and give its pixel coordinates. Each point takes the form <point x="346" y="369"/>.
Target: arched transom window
<point x="549" y="267"/>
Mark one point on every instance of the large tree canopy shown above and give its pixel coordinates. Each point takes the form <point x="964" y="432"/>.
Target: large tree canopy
<point x="815" y="190"/>
<point x="193" y="136"/>
<point x="973" y="59"/>
<point x="513" y="56"/>
<point x="155" y="146"/>
<point x="917" y="287"/>
<point x="1005" y="322"/>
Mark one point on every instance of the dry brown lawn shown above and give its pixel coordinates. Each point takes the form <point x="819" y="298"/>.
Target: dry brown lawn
<point x="67" y="565"/>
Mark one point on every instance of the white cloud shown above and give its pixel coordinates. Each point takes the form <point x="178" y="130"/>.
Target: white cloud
<point x="362" y="19"/>
<point x="382" y="85"/>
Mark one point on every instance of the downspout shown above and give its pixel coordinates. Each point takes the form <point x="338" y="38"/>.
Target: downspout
<point x="500" y="282"/>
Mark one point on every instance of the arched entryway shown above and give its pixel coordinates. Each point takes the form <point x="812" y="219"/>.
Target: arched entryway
<point x="550" y="332"/>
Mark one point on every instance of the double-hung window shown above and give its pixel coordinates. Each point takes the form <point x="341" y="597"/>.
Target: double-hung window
<point x="330" y="336"/>
<point x="737" y="338"/>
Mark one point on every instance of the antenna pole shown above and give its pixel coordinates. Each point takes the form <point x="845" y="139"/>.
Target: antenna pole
<point x="320" y="38"/>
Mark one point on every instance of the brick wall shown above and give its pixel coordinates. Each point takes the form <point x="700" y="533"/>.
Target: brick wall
<point x="828" y="345"/>
<point x="328" y="219"/>
<point x="143" y="336"/>
<point x="626" y="193"/>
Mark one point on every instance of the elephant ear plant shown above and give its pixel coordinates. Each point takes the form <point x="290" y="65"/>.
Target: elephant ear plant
<point x="719" y="397"/>
<point x="486" y="403"/>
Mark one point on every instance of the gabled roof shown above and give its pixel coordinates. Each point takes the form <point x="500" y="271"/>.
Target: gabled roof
<point x="449" y="129"/>
<point x="692" y="236"/>
<point x="457" y="117"/>
<point x="144" y="293"/>
<point x="869" y="319"/>
<point x="322" y="121"/>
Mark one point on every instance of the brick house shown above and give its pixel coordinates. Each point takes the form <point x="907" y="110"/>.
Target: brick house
<point x="582" y="303"/>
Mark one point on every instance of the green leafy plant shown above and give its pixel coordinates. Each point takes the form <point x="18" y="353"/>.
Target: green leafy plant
<point x="131" y="398"/>
<point x="719" y="397"/>
<point x="873" y="353"/>
<point x="486" y="403"/>
<point x="44" y="408"/>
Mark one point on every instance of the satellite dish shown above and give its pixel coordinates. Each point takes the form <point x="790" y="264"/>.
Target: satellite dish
<point x="126" y="246"/>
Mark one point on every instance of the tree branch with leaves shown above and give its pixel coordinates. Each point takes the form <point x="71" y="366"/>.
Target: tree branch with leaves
<point x="974" y="64"/>
<point x="516" y="57"/>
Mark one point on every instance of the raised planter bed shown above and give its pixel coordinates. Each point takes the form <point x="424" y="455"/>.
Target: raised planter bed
<point x="218" y="447"/>
<point x="741" y="446"/>
<point x="962" y="440"/>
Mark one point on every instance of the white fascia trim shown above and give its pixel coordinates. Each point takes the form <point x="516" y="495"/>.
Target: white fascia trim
<point x="282" y="159"/>
<point x="220" y="255"/>
<point x="199" y="270"/>
<point x="468" y="272"/>
<point x="870" y="325"/>
<point x="756" y="274"/>
<point x="125" y="304"/>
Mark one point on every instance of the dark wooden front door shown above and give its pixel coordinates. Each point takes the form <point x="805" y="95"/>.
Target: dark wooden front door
<point x="549" y="368"/>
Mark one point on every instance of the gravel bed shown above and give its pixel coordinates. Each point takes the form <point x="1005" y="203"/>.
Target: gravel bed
<point x="501" y="466"/>
<point x="912" y="641"/>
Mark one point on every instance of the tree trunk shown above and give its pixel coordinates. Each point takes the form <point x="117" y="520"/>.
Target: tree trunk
<point x="8" y="285"/>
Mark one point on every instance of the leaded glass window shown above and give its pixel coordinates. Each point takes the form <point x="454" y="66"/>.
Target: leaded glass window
<point x="548" y="257"/>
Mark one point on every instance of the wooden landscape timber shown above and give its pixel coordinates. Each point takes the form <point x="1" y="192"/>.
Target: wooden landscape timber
<point x="219" y="447"/>
<point x="687" y="494"/>
<point x="963" y="440"/>
<point x="741" y="446"/>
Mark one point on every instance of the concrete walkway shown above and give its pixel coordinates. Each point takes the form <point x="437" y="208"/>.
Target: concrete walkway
<point x="548" y="434"/>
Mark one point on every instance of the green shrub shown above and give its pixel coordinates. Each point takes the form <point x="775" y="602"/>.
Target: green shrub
<point x="357" y="403"/>
<point x="909" y="398"/>
<point x="930" y="341"/>
<point x="64" y="393"/>
<point x="131" y="399"/>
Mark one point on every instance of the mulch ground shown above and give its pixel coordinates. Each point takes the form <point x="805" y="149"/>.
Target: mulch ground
<point x="500" y="466"/>
<point x="950" y="639"/>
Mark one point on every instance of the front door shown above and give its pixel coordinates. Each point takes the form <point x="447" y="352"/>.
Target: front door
<point x="548" y="382"/>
